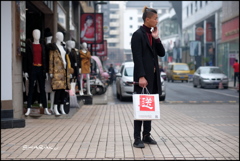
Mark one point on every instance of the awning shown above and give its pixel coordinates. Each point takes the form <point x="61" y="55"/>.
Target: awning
<point x="86" y="8"/>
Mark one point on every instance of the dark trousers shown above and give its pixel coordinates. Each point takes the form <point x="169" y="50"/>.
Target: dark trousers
<point x="59" y="96"/>
<point x="146" y="124"/>
<point x="37" y="74"/>
<point x="76" y="76"/>
<point x="138" y="126"/>
<point x="236" y="77"/>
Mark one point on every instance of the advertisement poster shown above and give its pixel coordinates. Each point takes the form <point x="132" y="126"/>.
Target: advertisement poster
<point x="104" y="51"/>
<point x="91" y="28"/>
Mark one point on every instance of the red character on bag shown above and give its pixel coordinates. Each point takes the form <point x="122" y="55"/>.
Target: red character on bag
<point x="147" y="103"/>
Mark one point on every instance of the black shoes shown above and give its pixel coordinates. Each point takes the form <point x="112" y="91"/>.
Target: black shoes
<point x="147" y="139"/>
<point x="138" y="143"/>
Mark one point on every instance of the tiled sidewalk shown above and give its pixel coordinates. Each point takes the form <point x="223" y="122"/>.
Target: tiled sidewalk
<point x="105" y="132"/>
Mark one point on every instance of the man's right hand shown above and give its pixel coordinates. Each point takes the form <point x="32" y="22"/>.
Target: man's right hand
<point x="143" y="82"/>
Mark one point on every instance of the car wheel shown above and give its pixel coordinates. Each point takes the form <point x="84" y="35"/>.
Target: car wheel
<point x="118" y="96"/>
<point x="121" y="98"/>
<point x="194" y="85"/>
<point x="200" y="84"/>
<point x="225" y="87"/>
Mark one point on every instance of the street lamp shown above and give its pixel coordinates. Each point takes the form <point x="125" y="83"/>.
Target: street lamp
<point x="95" y="5"/>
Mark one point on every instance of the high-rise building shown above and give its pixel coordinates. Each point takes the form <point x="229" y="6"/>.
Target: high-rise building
<point x="121" y="19"/>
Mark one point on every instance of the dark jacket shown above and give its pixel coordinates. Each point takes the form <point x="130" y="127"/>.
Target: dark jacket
<point x="145" y="58"/>
<point x="28" y="59"/>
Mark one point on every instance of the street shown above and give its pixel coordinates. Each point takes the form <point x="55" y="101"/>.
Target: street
<point x="104" y="130"/>
<point x="216" y="107"/>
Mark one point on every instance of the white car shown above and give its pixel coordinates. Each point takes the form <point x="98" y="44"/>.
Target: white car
<point x="209" y="76"/>
<point x="124" y="82"/>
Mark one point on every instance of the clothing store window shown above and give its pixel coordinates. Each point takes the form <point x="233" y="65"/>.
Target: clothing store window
<point x="61" y="16"/>
<point x="196" y="7"/>
<point x="191" y="8"/>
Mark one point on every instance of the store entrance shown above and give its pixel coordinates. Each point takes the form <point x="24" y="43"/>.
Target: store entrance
<point x="34" y="20"/>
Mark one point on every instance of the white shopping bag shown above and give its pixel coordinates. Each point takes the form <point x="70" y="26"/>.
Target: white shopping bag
<point x="146" y="106"/>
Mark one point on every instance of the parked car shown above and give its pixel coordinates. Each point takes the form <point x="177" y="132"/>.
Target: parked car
<point x="177" y="71"/>
<point x="164" y="75"/>
<point x="209" y="76"/>
<point x="124" y="82"/>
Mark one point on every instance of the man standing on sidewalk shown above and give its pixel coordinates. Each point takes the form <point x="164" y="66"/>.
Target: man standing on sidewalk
<point x="146" y="47"/>
<point x="236" y="72"/>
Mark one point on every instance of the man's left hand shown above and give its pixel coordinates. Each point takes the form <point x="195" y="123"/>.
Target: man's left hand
<point x="155" y="33"/>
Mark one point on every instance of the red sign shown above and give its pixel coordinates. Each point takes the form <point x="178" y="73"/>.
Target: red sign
<point x="209" y="32"/>
<point x="104" y="51"/>
<point x="147" y="103"/>
<point x="199" y="31"/>
<point x="91" y="28"/>
<point x="99" y="47"/>
<point x="230" y="29"/>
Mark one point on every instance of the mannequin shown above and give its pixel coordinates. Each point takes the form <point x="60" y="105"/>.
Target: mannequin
<point x="85" y="67"/>
<point x="74" y="59"/>
<point x="59" y="72"/>
<point x="35" y="69"/>
<point x="48" y="88"/>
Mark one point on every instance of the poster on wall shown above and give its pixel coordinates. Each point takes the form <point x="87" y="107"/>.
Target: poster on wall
<point x="104" y="51"/>
<point x="195" y="48"/>
<point x="91" y="28"/>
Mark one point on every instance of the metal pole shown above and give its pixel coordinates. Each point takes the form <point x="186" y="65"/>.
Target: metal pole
<point x="95" y="4"/>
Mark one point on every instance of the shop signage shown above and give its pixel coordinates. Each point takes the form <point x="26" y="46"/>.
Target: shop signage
<point x="209" y="32"/>
<point x="104" y="51"/>
<point x="230" y="29"/>
<point x="91" y="28"/>
<point x="199" y="31"/>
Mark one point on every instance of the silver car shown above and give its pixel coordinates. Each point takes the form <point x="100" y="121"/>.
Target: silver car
<point x="209" y="76"/>
<point x="124" y="82"/>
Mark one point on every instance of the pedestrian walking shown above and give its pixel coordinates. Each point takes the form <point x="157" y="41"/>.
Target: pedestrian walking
<point x="236" y="72"/>
<point x="111" y="72"/>
<point x="146" y="47"/>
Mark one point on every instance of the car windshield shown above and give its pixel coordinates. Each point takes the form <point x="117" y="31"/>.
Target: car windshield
<point x="181" y="67"/>
<point x="210" y="70"/>
<point x="128" y="71"/>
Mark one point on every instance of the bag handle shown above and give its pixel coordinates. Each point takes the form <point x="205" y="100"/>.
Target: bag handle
<point x="146" y="91"/>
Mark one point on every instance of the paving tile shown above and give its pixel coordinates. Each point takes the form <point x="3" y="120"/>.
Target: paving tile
<point x="105" y="132"/>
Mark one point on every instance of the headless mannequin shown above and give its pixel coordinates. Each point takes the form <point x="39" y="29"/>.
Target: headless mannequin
<point x="48" y="82"/>
<point x="59" y="93"/>
<point x="85" y="67"/>
<point x="36" y="73"/>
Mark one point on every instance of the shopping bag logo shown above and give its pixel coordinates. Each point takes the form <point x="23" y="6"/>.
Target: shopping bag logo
<point x="147" y="103"/>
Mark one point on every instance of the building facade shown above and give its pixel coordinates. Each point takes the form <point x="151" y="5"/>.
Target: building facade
<point x="228" y="46"/>
<point x="201" y="30"/>
<point x="18" y="20"/>
<point x="133" y="20"/>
